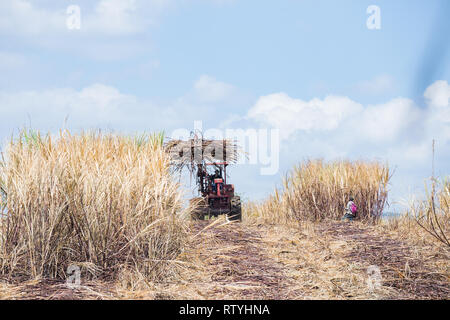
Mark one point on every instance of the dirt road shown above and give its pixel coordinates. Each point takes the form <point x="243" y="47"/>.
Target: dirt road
<point x="323" y="261"/>
<point x="402" y="268"/>
<point x="237" y="265"/>
<point x="313" y="261"/>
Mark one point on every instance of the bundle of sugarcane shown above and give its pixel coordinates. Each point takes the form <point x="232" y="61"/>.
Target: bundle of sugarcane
<point x="186" y="153"/>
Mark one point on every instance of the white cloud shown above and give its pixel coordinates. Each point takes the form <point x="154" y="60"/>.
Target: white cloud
<point x="103" y="106"/>
<point x="97" y="106"/>
<point x="438" y="94"/>
<point x="398" y="129"/>
<point x="21" y="16"/>
<point x="378" y="85"/>
<point x="208" y="89"/>
<point x="385" y="122"/>
<point x="104" y="17"/>
<point x="113" y="17"/>
<point x="110" y="29"/>
<point x="376" y="123"/>
<point x="398" y="132"/>
<point x="290" y="115"/>
<point x="122" y="17"/>
<point x="94" y="104"/>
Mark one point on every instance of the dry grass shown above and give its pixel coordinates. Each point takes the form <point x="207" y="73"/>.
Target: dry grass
<point x="103" y="202"/>
<point x="194" y="281"/>
<point x="109" y="204"/>
<point x="317" y="190"/>
<point x="318" y="264"/>
<point x="425" y="227"/>
<point x="330" y="259"/>
<point x="433" y="214"/>
<point x="427" y="248"/>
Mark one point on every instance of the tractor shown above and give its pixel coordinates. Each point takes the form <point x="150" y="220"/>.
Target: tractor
<point x="217" y="197"/>
<point x="207" y="162"/>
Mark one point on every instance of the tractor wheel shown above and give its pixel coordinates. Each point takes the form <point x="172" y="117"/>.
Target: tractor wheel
<point x="200" y="209"/>
<point x="235" y="212"/>
<point x="198" y="214"/>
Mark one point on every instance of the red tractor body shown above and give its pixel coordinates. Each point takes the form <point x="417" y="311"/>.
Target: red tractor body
<point x="217" y="196"/>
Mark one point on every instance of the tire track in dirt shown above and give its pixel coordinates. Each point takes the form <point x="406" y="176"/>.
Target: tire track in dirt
<point x="234" y="255"/>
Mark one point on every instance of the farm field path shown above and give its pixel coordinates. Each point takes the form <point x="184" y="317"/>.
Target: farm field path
<point x="402" y="269"/>
<point x="328" y="260"/>
<point x="236" y="265"/>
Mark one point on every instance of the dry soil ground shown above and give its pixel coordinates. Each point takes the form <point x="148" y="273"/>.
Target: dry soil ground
<point x="313" y="261"/>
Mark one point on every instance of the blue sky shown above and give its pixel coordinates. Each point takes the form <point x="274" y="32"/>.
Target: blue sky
<point x="311" y="69"/>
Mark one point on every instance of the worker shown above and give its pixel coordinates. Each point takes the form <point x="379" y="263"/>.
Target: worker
<point x="214" y="176"/>
<point x="217" y="174"/>
<point x="350" y="210"/>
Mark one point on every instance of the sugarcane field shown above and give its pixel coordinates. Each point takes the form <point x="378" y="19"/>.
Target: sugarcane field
<point x="110" y="207"/>
<point x="234" y="152"/>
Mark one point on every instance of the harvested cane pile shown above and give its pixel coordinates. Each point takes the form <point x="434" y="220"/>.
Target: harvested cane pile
<point x="198" y="150"/>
